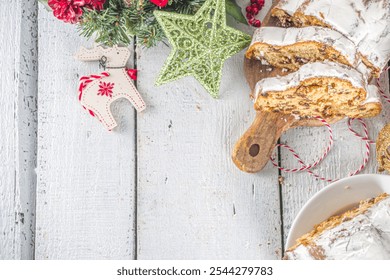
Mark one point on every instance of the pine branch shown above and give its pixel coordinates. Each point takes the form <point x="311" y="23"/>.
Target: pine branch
<point x="121" y="20"/>
<point x="109" y="25"/>
<point x="118" y="23"/>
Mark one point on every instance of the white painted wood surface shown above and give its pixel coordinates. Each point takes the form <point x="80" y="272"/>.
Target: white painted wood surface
<point x="193" y="203"/>
<point x="86" y="175"/>
<point x="18" y="72"/>
<point x="162" y="186"/>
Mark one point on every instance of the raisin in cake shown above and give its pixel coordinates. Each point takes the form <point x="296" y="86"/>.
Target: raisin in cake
<point x="325" y="89"/>
<point x="290" y="48"/>
<point x="365" y="23"/>
<point x="361" y="233"/>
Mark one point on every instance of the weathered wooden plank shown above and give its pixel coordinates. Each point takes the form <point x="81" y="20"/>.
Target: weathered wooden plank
<point x="346" y="156"/>
<point x="193" y="203"/>
<point x="18" y="73"/>
<point x="86" y="175"/>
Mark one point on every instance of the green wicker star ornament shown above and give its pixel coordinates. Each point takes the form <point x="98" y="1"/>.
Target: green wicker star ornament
<point x="201" y="44"/>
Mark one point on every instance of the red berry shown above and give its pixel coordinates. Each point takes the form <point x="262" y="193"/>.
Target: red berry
<point x="249" y="9"/>
<point x="253" y="5"/>
<point x="256" y="23"/>
<point x="251" y="21"/>
<point x="249" y="16"/>
<point x="260" y="2"/>
<point x="253" y="1"/>
<point x="255" y="11"/>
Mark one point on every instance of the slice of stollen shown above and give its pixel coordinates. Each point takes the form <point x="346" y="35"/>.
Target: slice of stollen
<point x="365" y="23"/>
<point x="290" y="48"/>
<point x="324" y="89"/>
<point x="362" y="233"/>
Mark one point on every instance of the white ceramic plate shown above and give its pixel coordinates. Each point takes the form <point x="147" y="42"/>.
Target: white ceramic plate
<point x="334" y="199"/>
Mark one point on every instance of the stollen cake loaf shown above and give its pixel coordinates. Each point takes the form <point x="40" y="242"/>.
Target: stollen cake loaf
<point x="383" y="149"/>
<point x="365" y="22"/>
<point x="290" y="48"/>
<point x="359" y="234"/>
<point x="325" y="89"/>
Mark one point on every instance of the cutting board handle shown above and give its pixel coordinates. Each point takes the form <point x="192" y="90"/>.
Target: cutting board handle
<point x="253" y="150"/>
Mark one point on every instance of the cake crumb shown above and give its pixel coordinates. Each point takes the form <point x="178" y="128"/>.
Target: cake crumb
<point x="264" y="62"/>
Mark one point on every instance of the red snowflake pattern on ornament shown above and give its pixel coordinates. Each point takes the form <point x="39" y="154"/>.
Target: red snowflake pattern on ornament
<point x="105" y="89"/>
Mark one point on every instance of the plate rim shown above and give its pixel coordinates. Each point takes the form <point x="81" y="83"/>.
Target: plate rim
<point x="289" y="243"/>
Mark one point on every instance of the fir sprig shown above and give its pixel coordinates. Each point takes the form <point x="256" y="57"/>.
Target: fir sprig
<point x="119" y="22"/>
<point x="109" y="25"/>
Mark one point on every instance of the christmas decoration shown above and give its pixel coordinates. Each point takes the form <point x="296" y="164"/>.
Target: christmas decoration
<point x="105" y="88"/>
<point x="201" y="43"/>
<point x="252" y="10"/>
<point x="97" y="92"/>
<point x="72" y="10"/>
<point x="132" y="73"/>
<point x="115" y="22"/>
<point x="68" y="11"/>
<point x="160" y="3"/>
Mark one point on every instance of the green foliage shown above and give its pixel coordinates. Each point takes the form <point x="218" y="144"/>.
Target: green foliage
<point x="118" y="22"/>
<point x="235" y="11"/>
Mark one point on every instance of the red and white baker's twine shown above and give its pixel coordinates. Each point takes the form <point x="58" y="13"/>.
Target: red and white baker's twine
<point x="308" y="167"/>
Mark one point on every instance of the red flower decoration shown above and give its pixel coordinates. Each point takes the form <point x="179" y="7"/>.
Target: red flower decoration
<point x="95" y="4"/>
<point x="67" y="10"/>
<point x="132" y="73"/>
<point x="71" y="10"/>
<point x="105" y="89"/>
<point x="160" y="3"/>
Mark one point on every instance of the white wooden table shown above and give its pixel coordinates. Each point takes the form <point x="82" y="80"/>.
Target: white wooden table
<point x="162" y="186"/>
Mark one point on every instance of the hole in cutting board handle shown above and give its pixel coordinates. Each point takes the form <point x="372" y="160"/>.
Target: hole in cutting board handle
<point x="254" y="150"/>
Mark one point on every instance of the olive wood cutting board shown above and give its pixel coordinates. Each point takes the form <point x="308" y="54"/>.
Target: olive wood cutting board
<point x="253" y="150"/>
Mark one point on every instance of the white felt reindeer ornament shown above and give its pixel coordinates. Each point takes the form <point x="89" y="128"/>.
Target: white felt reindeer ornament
<point x="97" y="92"/>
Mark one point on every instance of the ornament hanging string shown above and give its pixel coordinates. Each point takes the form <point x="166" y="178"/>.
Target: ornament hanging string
<point x="308" y="167"/>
